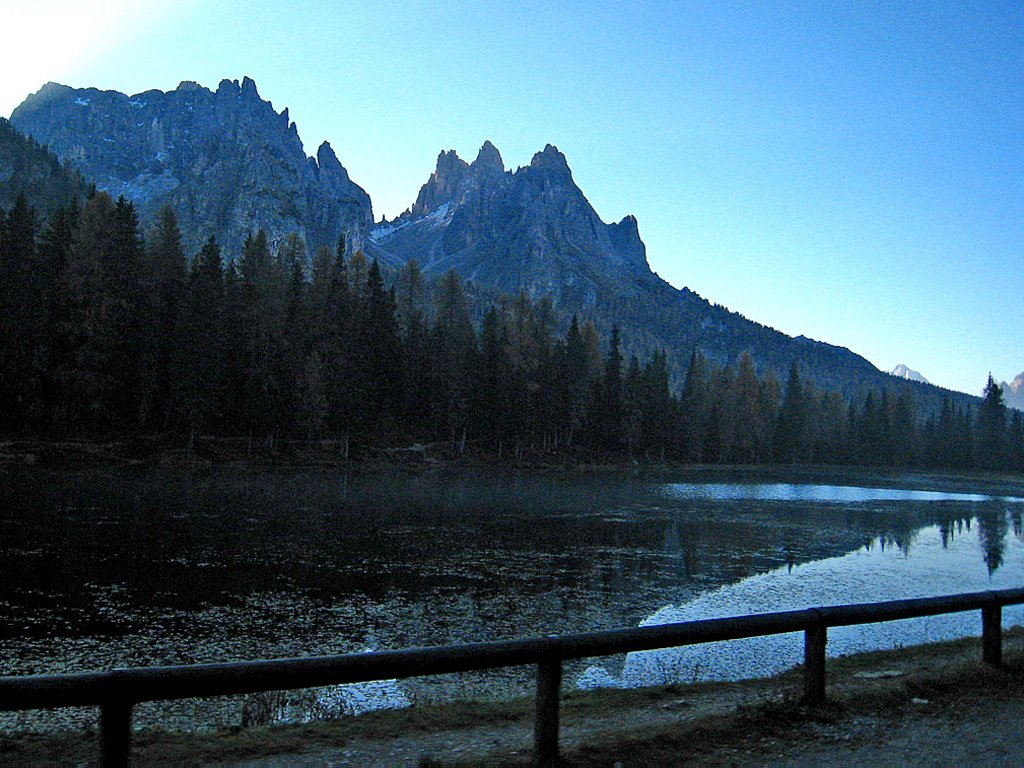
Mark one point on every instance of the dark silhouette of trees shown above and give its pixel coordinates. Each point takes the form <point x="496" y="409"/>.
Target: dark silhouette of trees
<point x="105" y="334"/>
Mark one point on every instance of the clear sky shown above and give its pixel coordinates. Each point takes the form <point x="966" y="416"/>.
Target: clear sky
<point x="850" y="171"/>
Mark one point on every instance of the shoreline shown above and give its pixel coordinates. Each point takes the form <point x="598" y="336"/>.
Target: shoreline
<point x="705" y="722"/>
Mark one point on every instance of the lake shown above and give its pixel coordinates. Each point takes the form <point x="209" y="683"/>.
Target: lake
<point x="108" y="568"/>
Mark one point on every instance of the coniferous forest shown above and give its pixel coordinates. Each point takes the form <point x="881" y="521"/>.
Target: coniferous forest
<point x="106" y="333"/>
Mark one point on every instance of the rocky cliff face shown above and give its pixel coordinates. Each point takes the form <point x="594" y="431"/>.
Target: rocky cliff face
<point x="225" y="160"/>
<point x="534" y="230"/>
<point x="530" y="230"/>
<point x="1013" y="392"/>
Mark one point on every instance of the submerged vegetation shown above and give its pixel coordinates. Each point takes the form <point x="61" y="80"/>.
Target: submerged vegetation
<point x="107" y="334"/>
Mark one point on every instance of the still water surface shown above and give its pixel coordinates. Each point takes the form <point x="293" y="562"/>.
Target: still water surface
<point x="102" y="569"/>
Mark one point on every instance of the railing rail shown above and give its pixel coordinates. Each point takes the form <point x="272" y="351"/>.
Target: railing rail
<point x="116" y="692"/>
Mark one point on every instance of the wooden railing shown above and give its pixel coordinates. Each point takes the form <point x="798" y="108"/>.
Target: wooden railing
<point x="118" y="691"/>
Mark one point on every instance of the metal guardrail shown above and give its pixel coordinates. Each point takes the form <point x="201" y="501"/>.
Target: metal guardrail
<point x="118" y="691"/>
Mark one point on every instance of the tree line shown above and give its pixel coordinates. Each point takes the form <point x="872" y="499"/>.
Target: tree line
<point x="106" y="332"/>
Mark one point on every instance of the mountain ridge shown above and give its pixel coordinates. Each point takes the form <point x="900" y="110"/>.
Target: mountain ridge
<point x="598" y="270"/>
<point x="229" y="163"/>
<point x="1013" y="392"/>
<point x="225" y="160"/>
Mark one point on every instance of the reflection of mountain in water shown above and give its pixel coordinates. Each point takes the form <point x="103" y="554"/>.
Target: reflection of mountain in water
<point x="945" y="558"/>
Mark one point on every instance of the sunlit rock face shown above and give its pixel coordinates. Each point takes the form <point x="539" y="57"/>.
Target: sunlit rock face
<point x="225" y="160"/>
<point x="530" y="230"/>
<point x="533" y="230"/>
<point x="1013" y="392"/>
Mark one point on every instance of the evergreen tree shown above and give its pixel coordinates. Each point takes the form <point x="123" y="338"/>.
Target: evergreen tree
<point x="164" y="363"/>
<point x="263" y="284"/>
<point x="750" y="426"/>
<point x="454" y="351"/>
<point x="576" y="377"/>
<point x="991" y="427"/>
<point x="695" y="408"/>
<point x="608" y="412"/>
<point x="203" y="386"/>
<point x="791" y="426"/>
<point x="23" y="319"/>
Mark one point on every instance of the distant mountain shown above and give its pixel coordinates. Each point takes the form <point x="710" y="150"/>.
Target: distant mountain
<point x="226" y="161"/>
<point x="903" y="372"/>
<point x="1013" y="392"/>
<point x="229" y="163"/>
<point x="533" y="230"/>
<point x="29" y="169"/>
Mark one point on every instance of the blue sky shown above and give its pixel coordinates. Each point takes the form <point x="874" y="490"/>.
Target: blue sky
<point x="850" y="171"/>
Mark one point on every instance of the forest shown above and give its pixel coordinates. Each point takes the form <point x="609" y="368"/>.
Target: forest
<point x="106" y="332"/>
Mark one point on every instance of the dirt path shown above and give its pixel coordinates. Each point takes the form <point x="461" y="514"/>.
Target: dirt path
<point x="912" y="708"/>
<point x="513" y="742"/>
<point x="981" y="734"/>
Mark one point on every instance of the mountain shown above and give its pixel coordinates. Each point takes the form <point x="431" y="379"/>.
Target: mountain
<point x="531" y="230"/>
<point x="228" y="163"/>
<point x="29" y="169"/>
<point x="225" y="160"/>
<point x="534" y="230"/>
<point x="903" y="372"/>
<point x="1013" y="392"/>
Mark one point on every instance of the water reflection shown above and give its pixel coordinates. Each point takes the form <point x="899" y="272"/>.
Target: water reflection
<point x="978" y="557"/>
<point x="831" y="494"/>
<point x="100" y="569"/>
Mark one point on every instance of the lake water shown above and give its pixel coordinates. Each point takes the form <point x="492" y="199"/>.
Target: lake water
<point x="103" y="569"/>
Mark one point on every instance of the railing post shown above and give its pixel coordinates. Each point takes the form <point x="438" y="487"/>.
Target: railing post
<point x="992" y="634"/>
<point x="115" y="733"/>
<point x="545" y="726"/>
<point x="815" y="638"/>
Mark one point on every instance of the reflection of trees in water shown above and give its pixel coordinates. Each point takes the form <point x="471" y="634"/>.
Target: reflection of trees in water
<point x="993" y="526"/>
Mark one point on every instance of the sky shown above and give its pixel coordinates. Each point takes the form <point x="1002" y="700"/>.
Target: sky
<point x="852" y="171"/>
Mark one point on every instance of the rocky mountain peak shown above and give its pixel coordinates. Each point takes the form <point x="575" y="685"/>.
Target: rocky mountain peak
<point x="329" y="165"/>
<point x="552" y="160"/>
<point x="1013" y="392"/>
<point x="488" y="159"/>
<point x="901" y="371"/>
<point x="204" y="153"/>
<point x="443" y="184"/>
<point x="249" y="88"/>
<point x="530" y="230"/>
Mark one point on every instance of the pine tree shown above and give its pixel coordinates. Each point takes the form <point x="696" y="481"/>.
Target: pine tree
<point x="454" y="351"/>
<point x="695" y="409"/>
<point x="203" y="386"/>
<point x="23" y="319"/>
<point x="791" y="426"/>
<point x="750" y="425"/>
<point x="991" y="427"/>
<point x="164" y="364"/>
<point x="609" y="411"/>
<point x="576" y="377"/>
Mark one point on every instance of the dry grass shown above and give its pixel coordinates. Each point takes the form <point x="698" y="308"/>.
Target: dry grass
<point x="948" y="675"/>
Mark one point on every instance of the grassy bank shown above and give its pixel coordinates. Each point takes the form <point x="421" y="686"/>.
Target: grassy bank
<point x="651" y="726"/>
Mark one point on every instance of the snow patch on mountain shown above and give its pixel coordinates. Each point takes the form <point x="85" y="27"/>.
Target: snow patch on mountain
<point x="903" y="372"/>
